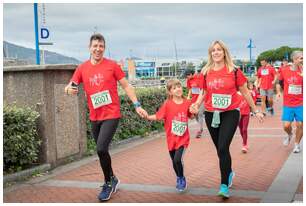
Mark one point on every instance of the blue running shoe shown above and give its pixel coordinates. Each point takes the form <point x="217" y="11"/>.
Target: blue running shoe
<point x="224" y="191"/>
<point x="272" y="111"/>
<point x="181" y="184"/>
<point x="115" y="183"/>
<point x="177" y="183"/>
<point x="230" y="179"/>
<point x="106" y="192"/>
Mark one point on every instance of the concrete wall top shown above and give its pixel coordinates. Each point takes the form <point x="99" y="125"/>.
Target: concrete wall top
<point x="45" y="67"/>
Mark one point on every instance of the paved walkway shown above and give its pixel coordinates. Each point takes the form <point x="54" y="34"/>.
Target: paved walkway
<point x="269" y="172"/>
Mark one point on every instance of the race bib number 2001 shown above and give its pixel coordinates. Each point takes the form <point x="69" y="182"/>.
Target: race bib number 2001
<point x="100" y="99"/>
<point x="178" y="128"/>
<point x="221" y="101"/>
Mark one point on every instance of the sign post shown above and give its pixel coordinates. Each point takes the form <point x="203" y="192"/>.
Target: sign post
<point x="36" y="34"/>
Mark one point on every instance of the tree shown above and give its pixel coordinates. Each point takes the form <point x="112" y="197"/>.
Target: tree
<point x="276" y="54"/>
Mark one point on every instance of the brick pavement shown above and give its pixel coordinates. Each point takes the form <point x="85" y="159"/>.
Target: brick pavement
<point x="146" y="173"/>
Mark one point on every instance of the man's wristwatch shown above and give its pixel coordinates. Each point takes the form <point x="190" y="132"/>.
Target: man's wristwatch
<point x="137" y="104"/>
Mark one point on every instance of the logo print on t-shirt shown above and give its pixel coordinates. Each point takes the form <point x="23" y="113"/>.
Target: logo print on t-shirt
<point x="181" y="116"/>
<point x="292" y="80"/>
<point x="216" y="84"/>
<point x="96" y="80"/>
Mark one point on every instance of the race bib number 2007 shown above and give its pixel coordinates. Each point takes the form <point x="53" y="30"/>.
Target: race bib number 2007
<point x="178" y="128"/>
<point x="100" y="99"/>
<point x="221" y="101"/>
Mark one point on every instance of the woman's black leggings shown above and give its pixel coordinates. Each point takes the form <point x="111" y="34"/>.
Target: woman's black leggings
<point x="103" y="132"/>
<point x="222" y="138"/>
<point x="176" y="156"/>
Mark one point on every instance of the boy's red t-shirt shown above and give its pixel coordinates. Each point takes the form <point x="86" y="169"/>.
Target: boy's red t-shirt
<point x="175" y="116"/>
<point x="293" y="86"/>
<point x="266" y="74"/>
<point x="221" y="89"/>
<point x="100" y="85"/>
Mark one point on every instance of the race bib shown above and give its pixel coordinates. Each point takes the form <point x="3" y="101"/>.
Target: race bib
<point x="195" y="90"/>
<point x="265" y="72"/>
<point x="294" y="89"/>
<point x="221" y="101"/>
<point x="100" y="99"/>
<point x="178" y="128"/>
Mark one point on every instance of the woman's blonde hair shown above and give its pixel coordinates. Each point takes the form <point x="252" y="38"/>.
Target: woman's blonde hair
<point x="170" y="84"/>
<point x="227" y="58"/>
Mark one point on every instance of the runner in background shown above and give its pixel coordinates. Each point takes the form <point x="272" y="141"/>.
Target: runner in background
<point x="266" y="78"/>
<point x="194" y="88"/>
<point x="291" y="80"/>
<point x="253" y="91"/>
<point x="244" y="122"/>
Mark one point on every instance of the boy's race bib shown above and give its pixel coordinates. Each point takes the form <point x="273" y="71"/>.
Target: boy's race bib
<point x="221" y="101"/>
<point x="100" y="99"/>
<point x="178" y="128"/>
<point x="264" y="72"/>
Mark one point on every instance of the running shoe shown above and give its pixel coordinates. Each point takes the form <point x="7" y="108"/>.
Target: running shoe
<point x="115" y="183"/>
<point x="230" y="179"/>
<point x="106" y="192"/>
<point x="224" y="191"/>
<point x="297" y="148"/>
<point x="244" y="149"/>
<point x="287" y="139"/>
<point x="181" y="184"/>
<point x="272" y="111"/>
<point x="199" y="134"/>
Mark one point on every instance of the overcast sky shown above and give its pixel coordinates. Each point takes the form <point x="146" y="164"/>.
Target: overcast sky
<point x="150" y="30"/>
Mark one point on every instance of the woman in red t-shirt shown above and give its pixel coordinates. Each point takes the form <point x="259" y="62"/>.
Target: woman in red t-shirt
<point x="175" y="113"/>
<point x="221" y="101"/>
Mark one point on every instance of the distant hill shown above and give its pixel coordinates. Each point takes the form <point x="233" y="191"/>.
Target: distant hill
<point x="29" y="55"/>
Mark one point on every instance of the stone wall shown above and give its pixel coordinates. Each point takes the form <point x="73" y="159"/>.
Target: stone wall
<point x="62" y="122"/>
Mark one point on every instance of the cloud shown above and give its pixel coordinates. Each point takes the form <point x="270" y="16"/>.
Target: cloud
<point x="150" y="30"/>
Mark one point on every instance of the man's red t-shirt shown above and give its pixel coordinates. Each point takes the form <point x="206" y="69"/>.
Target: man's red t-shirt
<point x="266" y="74"/>
<point x="194" y="83"/>
<point x="100" y="86"/>
<point x="293" y="86"/>
<point x="175" y="118"/>
<point x="221" y="87"/>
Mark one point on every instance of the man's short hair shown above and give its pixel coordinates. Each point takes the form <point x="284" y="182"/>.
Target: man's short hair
<point x="296" y="53"/>
<point x="98" y="37"/>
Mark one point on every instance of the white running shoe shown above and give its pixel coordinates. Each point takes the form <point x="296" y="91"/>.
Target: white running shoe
<point x="297" y="148"/>
<point x="287" y="139"/>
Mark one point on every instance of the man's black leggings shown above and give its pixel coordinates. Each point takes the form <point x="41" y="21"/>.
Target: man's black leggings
<point x="222" y="138"/>
<point x="103" y="132"/>
<point x="177" y="162"/>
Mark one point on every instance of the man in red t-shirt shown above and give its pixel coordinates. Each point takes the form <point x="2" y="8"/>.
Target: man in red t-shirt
<point x="266" y="77"/>
<point x="99" y="76"/>
<point x="194" y="88"/>
<point x="291" y="79"/>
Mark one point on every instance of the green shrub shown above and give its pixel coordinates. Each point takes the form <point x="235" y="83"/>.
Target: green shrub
<point x="131" y="124"/>
<point x="20" y="138"/>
